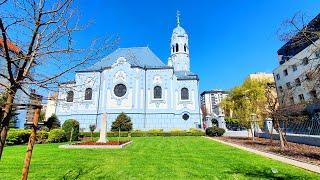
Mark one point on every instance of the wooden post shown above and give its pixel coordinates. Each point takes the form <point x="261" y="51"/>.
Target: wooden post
<point x="31" y="142"/>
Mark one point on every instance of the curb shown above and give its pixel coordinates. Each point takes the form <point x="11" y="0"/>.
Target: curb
<point x="68" y="146"/>
<point x="292" y="162"/>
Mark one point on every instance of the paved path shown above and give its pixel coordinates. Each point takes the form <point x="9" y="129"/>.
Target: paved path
<point x="296" y="163"/>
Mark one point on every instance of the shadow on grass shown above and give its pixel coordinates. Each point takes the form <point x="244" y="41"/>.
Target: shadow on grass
<point x="77" y="173"/>
<point x="267" y="174"/>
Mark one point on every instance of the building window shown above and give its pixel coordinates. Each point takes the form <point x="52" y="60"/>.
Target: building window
<point x="185" y="116"/>
<point x="301" y="97"/>
<point x="70" y="96"/>
<point x="120" y="90"/>
<point x="294" y="67"/>
<point x="177" y="47"/>
<point x="88" y="94"/>
<point x="173" y="48"/>
<point x="280" y="89"/>
<point x="309" y="76"/>
<point x="298" y="82"/>
<point x="313" y="94"/>
<point x="305" y="61"/>
<point x="157" y="92"/>
<point x="285" y="72"/>
<point x="317" y="53"/>
<point x="288" y="85"/>
<point x="291" y="100"/>
<point x="184" y="94"/>
<point x="278" y="76"/>
<point x="185" y="48"/>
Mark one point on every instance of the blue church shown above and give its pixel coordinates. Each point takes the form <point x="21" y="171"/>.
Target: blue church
<point x="135" y="81"/>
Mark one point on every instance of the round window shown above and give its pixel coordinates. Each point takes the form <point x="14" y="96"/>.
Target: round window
<point x="120" y="90"/>
<point x="185" y="117"/>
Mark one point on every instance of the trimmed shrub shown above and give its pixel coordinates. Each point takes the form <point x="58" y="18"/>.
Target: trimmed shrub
<point x="214" y="131"/>
<point x="138" y="133"/>
<point x="17" y="136"/>
<point x="57" y="135"/>
<point x="88" y="134"/>
<point x="68" y="125"/>
<point x="123" y="122"/>
<point x="42" y="136"/>
<point x="195" y="132"/>
<point x="116" y="134"/>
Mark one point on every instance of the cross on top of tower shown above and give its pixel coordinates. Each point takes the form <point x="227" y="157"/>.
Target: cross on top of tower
<point x="178" y="17"/>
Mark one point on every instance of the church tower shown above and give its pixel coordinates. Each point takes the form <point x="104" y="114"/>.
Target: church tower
<point x="179" y="58"/>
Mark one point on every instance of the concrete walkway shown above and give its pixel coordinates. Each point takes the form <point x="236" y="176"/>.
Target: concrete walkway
<point x="292" y="162"/>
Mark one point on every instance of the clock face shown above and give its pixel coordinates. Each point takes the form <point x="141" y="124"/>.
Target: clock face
<point x="120" y="90"/>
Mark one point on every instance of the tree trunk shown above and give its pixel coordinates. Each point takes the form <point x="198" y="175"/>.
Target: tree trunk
<point x="282" y="145"/>
<point x="32" y="139"/>
<point x="5" y="119"/>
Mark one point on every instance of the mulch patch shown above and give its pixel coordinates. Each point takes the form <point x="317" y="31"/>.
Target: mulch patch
<point x="300" y="152"/>
<point x="99" y="143"/>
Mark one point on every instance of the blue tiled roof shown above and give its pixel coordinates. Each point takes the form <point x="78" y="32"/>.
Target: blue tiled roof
<point x="186" y="75"/>
<point x="136" y="56"/>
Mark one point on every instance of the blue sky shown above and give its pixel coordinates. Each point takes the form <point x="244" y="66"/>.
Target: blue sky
<point x="228" y="39"/>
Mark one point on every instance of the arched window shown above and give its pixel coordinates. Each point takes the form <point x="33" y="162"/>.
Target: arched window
<point x="70" y="96"/>
<point x="184" y="94"/>
<point x="185" y="48"/>
<point x="157" y="92"/>
<point x="177" y="47"/>
<point x="88" y="94"/>
<point x="173" y="48"/>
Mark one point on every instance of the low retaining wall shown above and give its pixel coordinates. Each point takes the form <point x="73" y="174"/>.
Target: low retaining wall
<point x="296" y="138"/>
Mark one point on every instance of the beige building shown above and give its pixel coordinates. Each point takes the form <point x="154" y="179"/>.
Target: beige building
<point x="262" y="76"/>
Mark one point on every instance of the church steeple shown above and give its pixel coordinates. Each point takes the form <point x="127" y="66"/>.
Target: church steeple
<point x="178" y="18"/>
<point x="179" y="45"/>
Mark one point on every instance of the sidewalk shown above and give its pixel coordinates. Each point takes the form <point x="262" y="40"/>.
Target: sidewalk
<point x="292" y="162"/>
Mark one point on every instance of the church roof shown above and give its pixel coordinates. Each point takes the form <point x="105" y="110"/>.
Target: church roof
<point x="186" y="75"/>
<point x="136" y="56"/>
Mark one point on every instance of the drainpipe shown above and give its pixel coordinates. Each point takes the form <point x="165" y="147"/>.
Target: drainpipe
<point x="98" y="105"/>
<point x="145" y="97"/>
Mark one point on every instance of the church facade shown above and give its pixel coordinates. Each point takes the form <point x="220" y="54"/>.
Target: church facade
<point x="135" y="81"/>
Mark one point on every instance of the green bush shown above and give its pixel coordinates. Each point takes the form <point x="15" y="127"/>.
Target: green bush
<point x="123" y="122"/>
<point x="68" y="125"/>
<point x="17" y="136"/>
<point x="57" y="135"/>
<point x="116" y="134"/>
<point x="88" y="134"/>
<point x="153" y="132"/>
<point x="42" y="136"/>
<point x="52" y="122"/>
<point x="214" y="131"/>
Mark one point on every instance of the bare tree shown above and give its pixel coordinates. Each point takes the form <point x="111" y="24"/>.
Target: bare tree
<point x="299" y="35"/>
<point x="38" y="49"/>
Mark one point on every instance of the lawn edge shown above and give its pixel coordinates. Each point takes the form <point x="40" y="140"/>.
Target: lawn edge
<point x="303" y="165"/>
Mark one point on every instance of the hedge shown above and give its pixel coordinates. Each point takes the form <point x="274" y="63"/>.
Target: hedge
<point x="138" y="133"/>
<point x="18" y="136"/>
<point x="57" y="135"/>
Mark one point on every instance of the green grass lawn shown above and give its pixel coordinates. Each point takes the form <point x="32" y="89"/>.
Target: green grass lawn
<point x="148" y="158"/>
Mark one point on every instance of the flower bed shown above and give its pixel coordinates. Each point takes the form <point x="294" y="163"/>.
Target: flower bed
<point x="300" y="152"/>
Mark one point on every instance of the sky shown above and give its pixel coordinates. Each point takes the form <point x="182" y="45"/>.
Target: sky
<point x="228" y="39"/>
